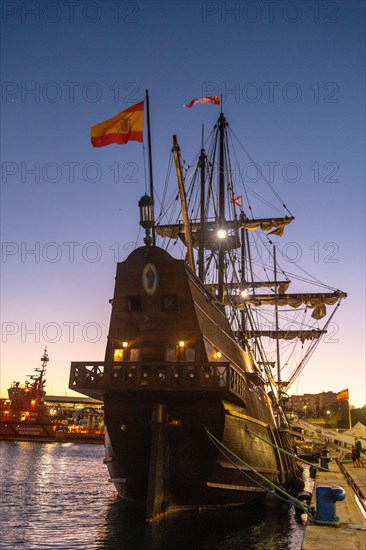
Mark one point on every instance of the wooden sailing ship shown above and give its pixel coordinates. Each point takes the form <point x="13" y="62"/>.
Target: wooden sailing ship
<point x="193" y="407"/>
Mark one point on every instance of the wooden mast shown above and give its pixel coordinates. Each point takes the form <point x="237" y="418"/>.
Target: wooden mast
<point x="150" y="158"/>
<point x="201" y="251"/>
<point x="277" y="327"/>
<point x="221" y="219"/>
<point x="182" y="193"/>
<point x="243" y="274"/>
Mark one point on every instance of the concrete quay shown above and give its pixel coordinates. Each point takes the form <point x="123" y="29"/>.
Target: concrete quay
<point x="351" y="534"/>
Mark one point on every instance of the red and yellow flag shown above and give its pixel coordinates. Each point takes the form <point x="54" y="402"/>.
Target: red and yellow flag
<point x="126" y="126"/>
<point x="343" y="395"/>
<point x="215" y="100"/>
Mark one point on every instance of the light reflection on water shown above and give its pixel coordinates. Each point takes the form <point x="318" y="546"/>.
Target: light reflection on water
<point x="57" y="496"/>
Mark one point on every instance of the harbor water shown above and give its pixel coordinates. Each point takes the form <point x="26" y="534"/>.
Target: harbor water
<point x="57" y="495"/>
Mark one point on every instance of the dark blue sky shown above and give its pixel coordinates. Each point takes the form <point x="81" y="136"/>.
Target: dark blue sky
<point x="292" y="77"/>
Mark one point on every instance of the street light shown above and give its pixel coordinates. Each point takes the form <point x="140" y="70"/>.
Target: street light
<point x="305" y="408"/>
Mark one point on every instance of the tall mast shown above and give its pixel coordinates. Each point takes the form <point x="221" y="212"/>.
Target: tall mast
<point x="182" y="193"/>
<point x="242" y="267"/>
<point x="222" y="124"/>
<point x="150" y="156"/>
<point x="201" y="250"/>
<point x="277" y="326"/>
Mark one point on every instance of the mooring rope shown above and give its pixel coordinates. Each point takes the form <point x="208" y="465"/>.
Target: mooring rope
<point x="220" y="446"/>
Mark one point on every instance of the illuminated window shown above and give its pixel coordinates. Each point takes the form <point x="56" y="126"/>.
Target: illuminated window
<point x="118" y="355"/>
<point x="213" y="354"/>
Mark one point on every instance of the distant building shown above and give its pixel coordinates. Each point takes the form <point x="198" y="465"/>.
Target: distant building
<point x="313" y="404"/>
<point x="69" y="405"/>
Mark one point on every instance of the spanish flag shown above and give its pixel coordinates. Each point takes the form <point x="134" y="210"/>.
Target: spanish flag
<point x="126" y="126"/>
<point x="343" y="395"/>
<point x="215" y="100"/>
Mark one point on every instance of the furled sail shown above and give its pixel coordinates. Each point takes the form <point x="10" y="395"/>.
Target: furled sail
<point x="282" y="285"/>
<point x="286" y="334"/>
<point x="277" y="225"/>
<point x="315" y="301"/>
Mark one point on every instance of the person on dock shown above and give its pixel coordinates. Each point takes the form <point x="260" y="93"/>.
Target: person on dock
<point x="358" y="454"/>
<point x="353" y="455"/>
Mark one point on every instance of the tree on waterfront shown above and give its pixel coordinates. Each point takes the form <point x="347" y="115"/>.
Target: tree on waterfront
<point x="357" y="415"/>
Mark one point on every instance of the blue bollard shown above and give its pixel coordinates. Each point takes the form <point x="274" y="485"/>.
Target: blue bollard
<point x="324" y="462"/>
<point x="326" y="497"/>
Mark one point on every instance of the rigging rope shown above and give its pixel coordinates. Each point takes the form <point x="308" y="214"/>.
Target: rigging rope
<point x="311" y="350"/>
<point x="260" y="171"/>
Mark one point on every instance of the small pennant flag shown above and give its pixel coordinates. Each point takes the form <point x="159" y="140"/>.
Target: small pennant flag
<point x="126" y="126"/>
<point x="215" y="100"/>
<point x="343" y="395"/>
<point x="237" y="201"/>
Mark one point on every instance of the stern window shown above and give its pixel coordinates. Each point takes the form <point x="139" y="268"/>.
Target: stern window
<point x="169" y="302"/>
<point x="190" y="354"/>
<point x="118" y="354"/>
<point x="171" y="353"/>
<point x="134" y="354"/>
<point x="134" y="303"/>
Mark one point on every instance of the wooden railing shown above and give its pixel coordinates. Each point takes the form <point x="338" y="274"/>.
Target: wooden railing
<point x="100" y="376"/>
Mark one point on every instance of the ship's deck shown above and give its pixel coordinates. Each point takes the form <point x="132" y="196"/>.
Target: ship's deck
<point x="96" y="378"/>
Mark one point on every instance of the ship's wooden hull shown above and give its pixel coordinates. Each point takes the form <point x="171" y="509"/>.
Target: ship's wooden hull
<point x="190" y="470"/>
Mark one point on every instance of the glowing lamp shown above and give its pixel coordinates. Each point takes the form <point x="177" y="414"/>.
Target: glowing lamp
<point x="125" y="344"/>
<point x="181" y="344"/>
<point x="244" y="293"/>
<point x="146" y="205"/>
<point x="221" y="234"/>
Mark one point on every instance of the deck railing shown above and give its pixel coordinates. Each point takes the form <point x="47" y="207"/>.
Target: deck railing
<point x="100" y="376"/>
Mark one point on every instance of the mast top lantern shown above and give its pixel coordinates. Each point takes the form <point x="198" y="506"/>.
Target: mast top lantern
<point x="146" y="205"/>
